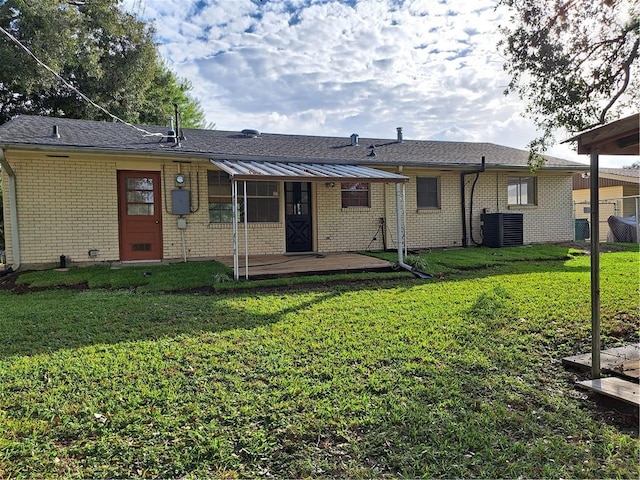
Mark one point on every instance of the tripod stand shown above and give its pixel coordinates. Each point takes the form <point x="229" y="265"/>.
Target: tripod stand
<point x="380" y="231"/>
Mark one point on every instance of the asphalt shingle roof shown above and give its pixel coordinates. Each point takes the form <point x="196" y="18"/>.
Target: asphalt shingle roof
<point x="36" y="131"/>
<point x="624" y="172"/>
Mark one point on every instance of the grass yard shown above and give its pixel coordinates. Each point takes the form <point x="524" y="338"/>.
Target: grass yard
<point x="388" y="377"/>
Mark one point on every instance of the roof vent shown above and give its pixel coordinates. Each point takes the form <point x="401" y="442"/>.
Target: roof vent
<point x="171" y="134"/>
<point x="399" y="129"/>
<point x="247" y="132"/>
<point x="354" y="139"/>
<point x="55" y="133"/>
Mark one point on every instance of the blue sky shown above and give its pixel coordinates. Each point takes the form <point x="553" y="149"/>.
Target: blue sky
<point x="326" y="67"/>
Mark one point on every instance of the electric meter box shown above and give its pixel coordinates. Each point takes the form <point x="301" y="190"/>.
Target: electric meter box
<point x="180" y="202"/>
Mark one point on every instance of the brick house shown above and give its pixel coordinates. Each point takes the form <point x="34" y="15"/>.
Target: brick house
<point x="104" y="192"/>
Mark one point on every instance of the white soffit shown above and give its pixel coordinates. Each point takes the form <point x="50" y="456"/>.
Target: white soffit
<point x="305" y="172"/>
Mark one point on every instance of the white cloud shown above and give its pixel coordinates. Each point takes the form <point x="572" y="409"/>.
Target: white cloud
<point x="331" y="67"/>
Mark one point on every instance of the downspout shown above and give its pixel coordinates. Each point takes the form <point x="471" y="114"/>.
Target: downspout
<point x="400" y="227"/>
<point x="13" y="207"/>
<point x="463" y="202"/>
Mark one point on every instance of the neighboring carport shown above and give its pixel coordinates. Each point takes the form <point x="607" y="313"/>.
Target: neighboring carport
<point x="243" y="171"/>
<point x="621" y="137"/>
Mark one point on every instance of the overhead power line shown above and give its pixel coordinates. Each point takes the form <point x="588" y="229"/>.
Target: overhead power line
<point x="67" y="84"/>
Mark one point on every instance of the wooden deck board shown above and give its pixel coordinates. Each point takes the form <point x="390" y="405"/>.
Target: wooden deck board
<point x="614" y="387"/>
<point x="620" y="360"/>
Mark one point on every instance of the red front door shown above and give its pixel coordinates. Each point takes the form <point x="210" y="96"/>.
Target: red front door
<point x="140" y="215"/>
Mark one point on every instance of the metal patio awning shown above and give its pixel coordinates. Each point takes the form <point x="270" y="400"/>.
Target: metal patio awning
<point x="242" y="171"/>
<point x="305" y="172"/>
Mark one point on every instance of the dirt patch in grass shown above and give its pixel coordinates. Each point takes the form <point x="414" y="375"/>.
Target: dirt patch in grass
<point x="8" y="282"/>
<point x="585" y="247"/>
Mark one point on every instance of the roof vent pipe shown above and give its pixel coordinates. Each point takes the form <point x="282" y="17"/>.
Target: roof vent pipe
<point x="354" y="139"/>
<point x="171" y="134"/>
<point x="399" y="129"/>
<point x="55" y="133"/>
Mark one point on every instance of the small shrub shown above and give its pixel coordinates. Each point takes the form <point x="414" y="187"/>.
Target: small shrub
<point x="417" y="262"/>
<point x="221" y="278"/>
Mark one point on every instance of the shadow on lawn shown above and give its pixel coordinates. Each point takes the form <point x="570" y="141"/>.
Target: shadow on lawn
<point x="44" y="322"/>
<point x="510" y="268"/>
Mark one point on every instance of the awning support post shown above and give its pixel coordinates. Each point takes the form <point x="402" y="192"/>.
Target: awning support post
<point x="637" y="219"/>
<point x="246" y="234"/>
<point x="234" y="210"/>
<point x="595" y="266"/>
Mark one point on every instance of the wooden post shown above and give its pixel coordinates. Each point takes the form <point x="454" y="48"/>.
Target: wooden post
<point x="595" y="266"/>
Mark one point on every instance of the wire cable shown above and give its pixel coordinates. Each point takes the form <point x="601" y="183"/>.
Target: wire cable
<point x="67" y="84"/>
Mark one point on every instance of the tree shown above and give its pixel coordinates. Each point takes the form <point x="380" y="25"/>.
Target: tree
<point x="574" y="62"/>
<point x="104" y="52"/>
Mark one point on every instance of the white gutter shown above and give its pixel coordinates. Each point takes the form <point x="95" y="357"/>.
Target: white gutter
<point x="13" y="208"/>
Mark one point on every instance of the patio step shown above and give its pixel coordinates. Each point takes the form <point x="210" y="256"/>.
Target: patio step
<point x="620" y="361"/>
<point x="614" y="387"/>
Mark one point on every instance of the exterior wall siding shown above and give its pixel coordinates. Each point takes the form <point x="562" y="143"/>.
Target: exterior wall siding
<point x="551" y="220"/>
<point x="68" y="206"/>
<point x="204" y="240"/>
<point x="341" y="229"/>
<point x="65" y="207"/>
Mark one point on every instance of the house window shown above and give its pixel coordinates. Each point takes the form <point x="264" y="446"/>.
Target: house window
<point x="354" y="194"/>
<point x="263" y="200"/>
<point x="220" y="204"/>
<point x="428" y="189"/>
<point x="521" y="190"/>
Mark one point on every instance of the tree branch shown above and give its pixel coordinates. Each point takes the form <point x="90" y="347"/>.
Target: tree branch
<point x="625" y="84"/>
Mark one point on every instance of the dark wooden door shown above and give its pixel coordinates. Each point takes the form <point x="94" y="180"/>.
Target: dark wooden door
<point x="140" y="215"/>
<point x="298" y="216"/>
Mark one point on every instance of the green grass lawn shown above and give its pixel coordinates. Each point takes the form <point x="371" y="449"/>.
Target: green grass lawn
<point x="385" y="377"/>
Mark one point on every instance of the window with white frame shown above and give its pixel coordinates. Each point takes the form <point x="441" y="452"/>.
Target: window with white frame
<point x="428" y="192"/>
<point x="263" y="199"/>
<point x="521" y="191"/>
<point x="354" y="194"/>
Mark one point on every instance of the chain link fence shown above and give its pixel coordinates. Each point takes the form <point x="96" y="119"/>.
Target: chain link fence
<point x="619" y="207"/>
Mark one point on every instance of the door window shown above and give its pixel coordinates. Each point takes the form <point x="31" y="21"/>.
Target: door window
<point x="139" y="196"/>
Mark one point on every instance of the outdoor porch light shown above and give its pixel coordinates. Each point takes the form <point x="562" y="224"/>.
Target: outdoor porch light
<point x="330" y="184"/>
